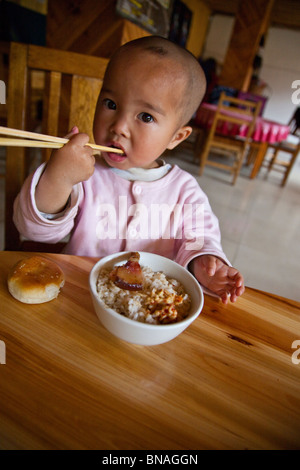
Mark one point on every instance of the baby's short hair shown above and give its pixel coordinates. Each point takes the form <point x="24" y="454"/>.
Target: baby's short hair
<point x="195" y="83"/>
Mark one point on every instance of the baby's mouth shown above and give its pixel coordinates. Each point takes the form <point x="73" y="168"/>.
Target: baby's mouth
<point x="116" y="157"/>
<point x="118" y="146"/>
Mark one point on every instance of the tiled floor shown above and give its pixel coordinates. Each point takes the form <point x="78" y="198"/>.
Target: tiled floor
<point x="259" y="220"/>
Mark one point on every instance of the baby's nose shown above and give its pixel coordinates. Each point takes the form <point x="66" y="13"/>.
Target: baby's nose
<point x="120" y="126"/>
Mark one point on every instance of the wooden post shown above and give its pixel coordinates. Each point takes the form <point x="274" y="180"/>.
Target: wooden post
<point x="251" y="22"/>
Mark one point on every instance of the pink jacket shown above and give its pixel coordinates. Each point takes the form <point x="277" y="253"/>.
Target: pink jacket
<point x="170" y="216"/>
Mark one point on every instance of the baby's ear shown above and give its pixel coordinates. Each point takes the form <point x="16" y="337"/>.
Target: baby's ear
<point x="182" y="134"/>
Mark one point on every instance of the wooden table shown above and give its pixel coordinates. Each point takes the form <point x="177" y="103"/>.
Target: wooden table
<point x="230" y="381"/>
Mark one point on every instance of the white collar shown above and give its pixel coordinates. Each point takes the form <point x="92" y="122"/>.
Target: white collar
<point x="144" y="174"/>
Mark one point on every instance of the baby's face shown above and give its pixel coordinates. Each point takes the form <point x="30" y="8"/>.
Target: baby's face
<point x="136" y="111"/>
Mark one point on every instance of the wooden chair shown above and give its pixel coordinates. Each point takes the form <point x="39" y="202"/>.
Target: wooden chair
<point x="233" y="113"/>
<point x="278" y="163"/>
<point x="68" y="85"/>
<point x="271" y="157"/>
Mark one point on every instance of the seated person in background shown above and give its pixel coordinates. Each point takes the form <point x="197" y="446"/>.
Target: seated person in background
<point x="295" y="122"/>
<point x="134" y="201"/>
<point x="209" y="67"/>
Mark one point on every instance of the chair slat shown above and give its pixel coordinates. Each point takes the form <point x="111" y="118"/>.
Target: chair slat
<point x="84" y="95"/>
<point x="16" y="118"/>
<point x="66" y="62"/>
<point x="51" y="104"/>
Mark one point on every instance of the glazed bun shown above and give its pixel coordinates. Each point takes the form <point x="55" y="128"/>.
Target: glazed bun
<point x="35" y="280"/>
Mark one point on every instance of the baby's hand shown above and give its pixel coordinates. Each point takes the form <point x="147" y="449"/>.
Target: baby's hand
<point x="215" y="275"/>
<point x="67" y="166"/>
<point x="74" y="162"/>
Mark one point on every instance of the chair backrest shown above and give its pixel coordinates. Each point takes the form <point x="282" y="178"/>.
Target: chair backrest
<point x="235" y="117"/>
<point x="68" y="85"/>
<point x="245" y="95"/>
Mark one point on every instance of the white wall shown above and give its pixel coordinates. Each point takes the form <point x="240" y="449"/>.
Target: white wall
<point x="281" y="63"/>
<point x="218" y="37"/>
<point x="281" y="66"/>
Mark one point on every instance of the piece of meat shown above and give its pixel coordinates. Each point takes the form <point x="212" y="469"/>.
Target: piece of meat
<point x="129" y="276"/>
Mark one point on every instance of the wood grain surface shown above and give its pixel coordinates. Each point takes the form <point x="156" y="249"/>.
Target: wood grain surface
<point x="228" y="382"/>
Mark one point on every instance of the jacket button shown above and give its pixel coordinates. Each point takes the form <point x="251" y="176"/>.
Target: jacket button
<point x="137" y="189"/>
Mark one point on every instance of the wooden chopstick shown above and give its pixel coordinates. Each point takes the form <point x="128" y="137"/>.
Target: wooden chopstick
<point x="43" y="141"/>
<point x="30" y="135"/>
<point x="6" y="142"/>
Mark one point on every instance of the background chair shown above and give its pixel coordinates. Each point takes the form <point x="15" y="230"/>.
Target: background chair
<point x="230" y="134"/>
<point x="289" y="147"/>
<point x="63" y="87"/>
<point x="281" y="156"/>
<point x="277" y="162"/>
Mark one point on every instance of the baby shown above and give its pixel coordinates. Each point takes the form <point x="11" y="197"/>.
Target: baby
<point x="133" y="201"/>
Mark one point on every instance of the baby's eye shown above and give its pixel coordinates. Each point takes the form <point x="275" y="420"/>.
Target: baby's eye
<point x="108" y="103"/>
<point x="145" y="117"/>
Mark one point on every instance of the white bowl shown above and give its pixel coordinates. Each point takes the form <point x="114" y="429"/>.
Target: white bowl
<point x="144" y="333"/>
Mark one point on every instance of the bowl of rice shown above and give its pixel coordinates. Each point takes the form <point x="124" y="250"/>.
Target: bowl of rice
<point x="170" y="300"/>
